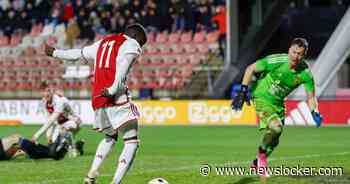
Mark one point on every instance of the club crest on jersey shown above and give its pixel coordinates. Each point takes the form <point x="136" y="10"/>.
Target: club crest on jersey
<point x="297" y="80"/>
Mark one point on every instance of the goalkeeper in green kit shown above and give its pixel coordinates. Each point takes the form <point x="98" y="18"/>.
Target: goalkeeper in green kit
<point x="277" y="76"/>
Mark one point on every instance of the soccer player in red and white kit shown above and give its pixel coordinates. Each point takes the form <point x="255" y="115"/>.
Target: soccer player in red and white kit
<point x="113" y="57"/>
<point x="62" y="120"/>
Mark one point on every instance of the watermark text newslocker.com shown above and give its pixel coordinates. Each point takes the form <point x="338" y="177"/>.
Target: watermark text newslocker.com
<point x="206" y="170"/>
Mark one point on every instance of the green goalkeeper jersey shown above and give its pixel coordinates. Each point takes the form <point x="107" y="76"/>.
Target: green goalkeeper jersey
<point x="276" y="80"/>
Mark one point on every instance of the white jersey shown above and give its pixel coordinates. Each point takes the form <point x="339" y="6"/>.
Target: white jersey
<point x="127" y="54"/>
<point x="60" y="111"/>
<point x="60" y="105"/>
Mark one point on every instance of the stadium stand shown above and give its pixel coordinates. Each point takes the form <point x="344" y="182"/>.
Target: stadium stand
<point x="173" y="57"/>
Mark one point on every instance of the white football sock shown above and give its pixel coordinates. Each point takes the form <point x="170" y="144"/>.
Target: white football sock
<point x="102" y="152"/>
<point x="125" y="160"/>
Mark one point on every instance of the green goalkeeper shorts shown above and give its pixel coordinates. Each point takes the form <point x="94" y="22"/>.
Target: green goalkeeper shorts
<point x="268" y="112"/>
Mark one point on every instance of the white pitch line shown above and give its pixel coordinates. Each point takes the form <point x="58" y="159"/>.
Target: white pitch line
<point x="187" y="167"/>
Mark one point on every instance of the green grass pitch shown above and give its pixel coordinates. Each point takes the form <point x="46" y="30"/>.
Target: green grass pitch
<point x="177" y="152"/>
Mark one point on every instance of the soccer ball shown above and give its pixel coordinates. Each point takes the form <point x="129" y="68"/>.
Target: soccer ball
<point x="158" y="181"/>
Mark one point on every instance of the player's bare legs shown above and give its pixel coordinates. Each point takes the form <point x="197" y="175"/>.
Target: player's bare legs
<point x="131" y="144"/>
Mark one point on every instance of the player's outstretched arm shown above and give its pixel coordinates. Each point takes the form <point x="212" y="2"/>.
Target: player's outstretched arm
<point x="313" y="105"/>
<point x="248" y="74"/>
<point x="53" y="117"/>
<point x="70" y="54"/>
<point x="84" y="54"/>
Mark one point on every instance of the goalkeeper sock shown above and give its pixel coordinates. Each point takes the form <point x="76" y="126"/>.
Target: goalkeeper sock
<point x="102" y="152"/>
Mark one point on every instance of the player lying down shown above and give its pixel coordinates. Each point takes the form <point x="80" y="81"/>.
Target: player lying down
<point x="15" y="144"/>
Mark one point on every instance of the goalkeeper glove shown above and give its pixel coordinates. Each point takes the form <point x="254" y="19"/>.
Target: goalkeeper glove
<point x="317" y="118"/>
<point x="240" y="94"/>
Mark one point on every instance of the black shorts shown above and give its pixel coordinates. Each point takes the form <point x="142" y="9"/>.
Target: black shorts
<point x="3" y="155"/>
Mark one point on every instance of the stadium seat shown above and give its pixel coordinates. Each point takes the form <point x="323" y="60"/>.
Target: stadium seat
<point x="15" y="40"/>
<point x="199" y="37"/>
<point x="29" y="51"/>
<point x="177" y="48"/>
<point x="202" y="48"/>
<point x="176" y="83"/>
<point x="70" y="72"/>
<point x="4" y="41"/>
<point x="164" y="73"/>
<point x="36" y="30"/>
<point x="83" y="71"/>
<point x="213" y="37"/>
<point x="182" y="60"/>
<point x="156" y="60"/>
<point x="186" y="37"/>
<point x="6" y="51"/>
<point x="183" y="73"/>
<point x="151" y="37"/>
<point x="174" y="37"/>
<point x="167" y="84"/>
<point x="16" y="51"/>
<point x="169" y="60"/>
<point x="194" y="59"/>
<point x="2" y="74"/>
<point x="162" y="37"/>
<point x="151" y="84"/>
<point x="164" y="48"/>
<point x="190" y="48"/>
<point x="148" y="73"/>
<point x="86" y="84"/>
<point x="27" y="41"/>
<point x="137" y="73"/>
<point x="144" y="60"/>
<point x="150" y="48"/>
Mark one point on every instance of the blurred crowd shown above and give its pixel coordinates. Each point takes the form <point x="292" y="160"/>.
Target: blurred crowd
<point x="88" y="17"/>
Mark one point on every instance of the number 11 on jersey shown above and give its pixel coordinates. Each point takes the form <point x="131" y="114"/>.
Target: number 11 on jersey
<point x="108" y="44"/>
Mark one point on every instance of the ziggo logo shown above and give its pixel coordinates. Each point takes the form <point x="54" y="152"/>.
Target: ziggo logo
<point x="202" y="113"/>
<point x="157" y="113"/>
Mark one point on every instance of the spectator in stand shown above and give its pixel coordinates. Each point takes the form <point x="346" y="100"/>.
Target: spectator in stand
<point x="203" y="18"/>
<point x="176" y="10"/>
<point x="68" y="12"/>
<point x="220" y="20"/>
<point x="163" y="12"/>
<point x="55" y="13"/>
<point x="5" y="5"/>
<point x="135" y="8"/>
<point x="120" y="24"/>
<point x="106" y="20"/>
<point x="99" y="16"/>
<point x="24" y="22"/>
<point x="72" y="32"/>
<point x="10" y="23"/>
<point x="150" y="20"/>
<point x="18" y="5"/>
<point x="190" y="23"/>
